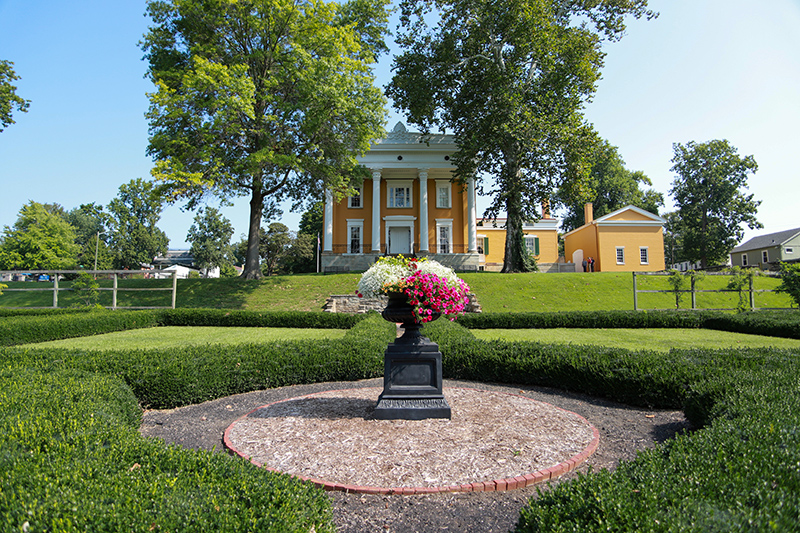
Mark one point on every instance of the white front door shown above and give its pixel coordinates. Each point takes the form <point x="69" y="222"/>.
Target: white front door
<point x="400" y="240"/>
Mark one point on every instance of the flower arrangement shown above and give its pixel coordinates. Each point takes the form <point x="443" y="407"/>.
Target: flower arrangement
<point x="430" y="286"/>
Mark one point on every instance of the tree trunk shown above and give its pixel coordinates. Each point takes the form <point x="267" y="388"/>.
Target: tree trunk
<point x="252" y="268"/>
<point x="516" y="254"/>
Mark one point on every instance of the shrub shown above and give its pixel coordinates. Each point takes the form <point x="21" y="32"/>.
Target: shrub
<point x="73" y="461"/>
<point x="790" y="281"/>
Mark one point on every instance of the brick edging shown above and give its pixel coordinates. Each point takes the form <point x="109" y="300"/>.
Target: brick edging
<point x="511" y="483"/>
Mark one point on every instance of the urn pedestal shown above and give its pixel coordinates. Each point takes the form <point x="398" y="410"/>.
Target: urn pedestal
<point x="412" y="376"/>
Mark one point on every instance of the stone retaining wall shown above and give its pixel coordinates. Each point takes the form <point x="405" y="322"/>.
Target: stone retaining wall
<point x="350" y="303"/>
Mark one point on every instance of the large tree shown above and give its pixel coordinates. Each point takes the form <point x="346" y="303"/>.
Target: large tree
<point x="41" y="239"/>
<point x="135" y="236"/>
<point x="610" y="186"/>
<point x="708" y="193"/>
<point x="210" y="236"/>
<point x="9" y="100"/>
<point x="509" y="79"/>
<point x="275" y="243"/>
<point x="90" y="221"/>
<point x="268" y="99"/>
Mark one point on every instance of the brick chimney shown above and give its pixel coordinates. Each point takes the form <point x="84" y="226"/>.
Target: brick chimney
<point x="546" y="209"/>
<point x="588" y="213"/>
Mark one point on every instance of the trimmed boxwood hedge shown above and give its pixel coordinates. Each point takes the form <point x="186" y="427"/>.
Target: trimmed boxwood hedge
<point x="771" y="323"/>
<point x="740" y="469"/>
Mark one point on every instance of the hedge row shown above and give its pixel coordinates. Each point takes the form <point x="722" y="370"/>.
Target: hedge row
<point x="167" y="378"/>
<point x="771" y="323"/>
<point x="72" y="460"/>
<point x="50" y="326"/>
<point x="739" y="471"/>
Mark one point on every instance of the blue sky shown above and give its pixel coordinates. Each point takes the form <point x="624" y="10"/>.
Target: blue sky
<point x="710" y="69"/>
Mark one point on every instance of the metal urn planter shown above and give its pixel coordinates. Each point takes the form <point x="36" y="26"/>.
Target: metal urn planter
<point x="412" y="378"/>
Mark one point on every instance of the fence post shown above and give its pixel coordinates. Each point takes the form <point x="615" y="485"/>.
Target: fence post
<point x="752" y="295"/>
<point x="114" y="293"/>
<point x="694" y="295"/>
<point x="55" y="291"/>
<point x="635" y="295"/>
<point x="174" y="287"/>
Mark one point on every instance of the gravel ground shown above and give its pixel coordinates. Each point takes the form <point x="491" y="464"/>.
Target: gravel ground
<point x="623" y="432"/>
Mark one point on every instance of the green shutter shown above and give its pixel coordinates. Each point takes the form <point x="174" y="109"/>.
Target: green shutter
<point x="486" y="246"/>
<point x="536" y="246"/>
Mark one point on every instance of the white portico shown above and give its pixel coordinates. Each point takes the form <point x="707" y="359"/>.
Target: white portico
<point x="409" y="206"/>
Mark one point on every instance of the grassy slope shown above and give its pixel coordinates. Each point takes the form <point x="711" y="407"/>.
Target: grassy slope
<point x="497" y="293"/>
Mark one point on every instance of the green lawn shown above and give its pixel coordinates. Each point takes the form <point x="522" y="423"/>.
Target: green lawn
<point x="175" y="336"/>
<point x="497" y="293"/>
<point x="638" y="339"/>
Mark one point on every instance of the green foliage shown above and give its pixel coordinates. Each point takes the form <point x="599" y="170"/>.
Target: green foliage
<point x="41" y="239"/>
<point x="77" y="454"/>
<point x="274" y="246"/>
<point x="610" y="187"/>
<point x="741" y="281"/>
<point x="790" y="281"/>
<point x="711" y="204"/>
<point x="29" y="327"/>
<point x="8" y="95"/>
<point x="73" y="461"/>
<point x="265" y="99"/>
<point x="210" y="237"/>
<point x="90" y="222"/>
<point x="509" y="79"/>
<point x="87" y="289"/>
<point x="285" y="319"/>
<point x="135" y="236"/>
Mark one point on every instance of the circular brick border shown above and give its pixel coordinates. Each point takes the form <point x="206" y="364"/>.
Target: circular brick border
<point x="512" y="483"/>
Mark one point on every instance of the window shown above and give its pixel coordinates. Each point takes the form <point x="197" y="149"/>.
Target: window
<point x="789" y="250"/>
<point x="399" y="194"/>
<point x="764" y="256"/>
<point x="355" y="233"/>
<point x="483" y="244"/>
<point x="643" y="256"/>
<point x="443" y="194"/>
<point x="620" y="255"/>
<point x="532" y="244"/>
<point x="744" y="260"/>
<point x="444" y="236"/>
<point x="354" y="202"/>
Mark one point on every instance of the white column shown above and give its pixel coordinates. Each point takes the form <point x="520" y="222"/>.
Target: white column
<point x="472" y="229"/>
<point x="328" y="242"/>
<point x="423" y="210"/>
<point x="376" y="210"/>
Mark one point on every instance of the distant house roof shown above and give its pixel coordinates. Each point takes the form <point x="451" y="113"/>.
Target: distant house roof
<point x="648" y="219"/>
<point x="767" y="241"/>
<point x="181" y="257"/>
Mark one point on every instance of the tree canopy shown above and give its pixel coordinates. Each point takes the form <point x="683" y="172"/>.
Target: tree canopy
<point x="708" y="193"/>
<point x="41" y="239"/>
<point x="135" y="236"/>
<point x="262" y="98"/>
<point x="9" y="100"/>
<point x="610" y="186"/>
<point x="210" y="237"/>
<point x="509" y="79"/>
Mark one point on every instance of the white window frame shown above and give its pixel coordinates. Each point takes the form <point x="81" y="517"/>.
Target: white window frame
<point x="352" y="224"/>
<point x="644" y="255"/>
<point x="530" y="243"/>
<point x="620" y="255"/>
<point x="444" y="203"/>
<point x="359" y="197"/>
<point x="392" y="186"/>
<point x="744" y="259"/>
<point x="789" y="250"/>
<point x="446" y="224"/>
<point x="765" y="256"/>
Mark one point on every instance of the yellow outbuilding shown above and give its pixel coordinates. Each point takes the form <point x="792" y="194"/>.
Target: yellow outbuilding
<point x="628" y="240"/>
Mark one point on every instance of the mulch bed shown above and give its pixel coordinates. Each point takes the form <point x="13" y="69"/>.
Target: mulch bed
<point x="623" y="432"/>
